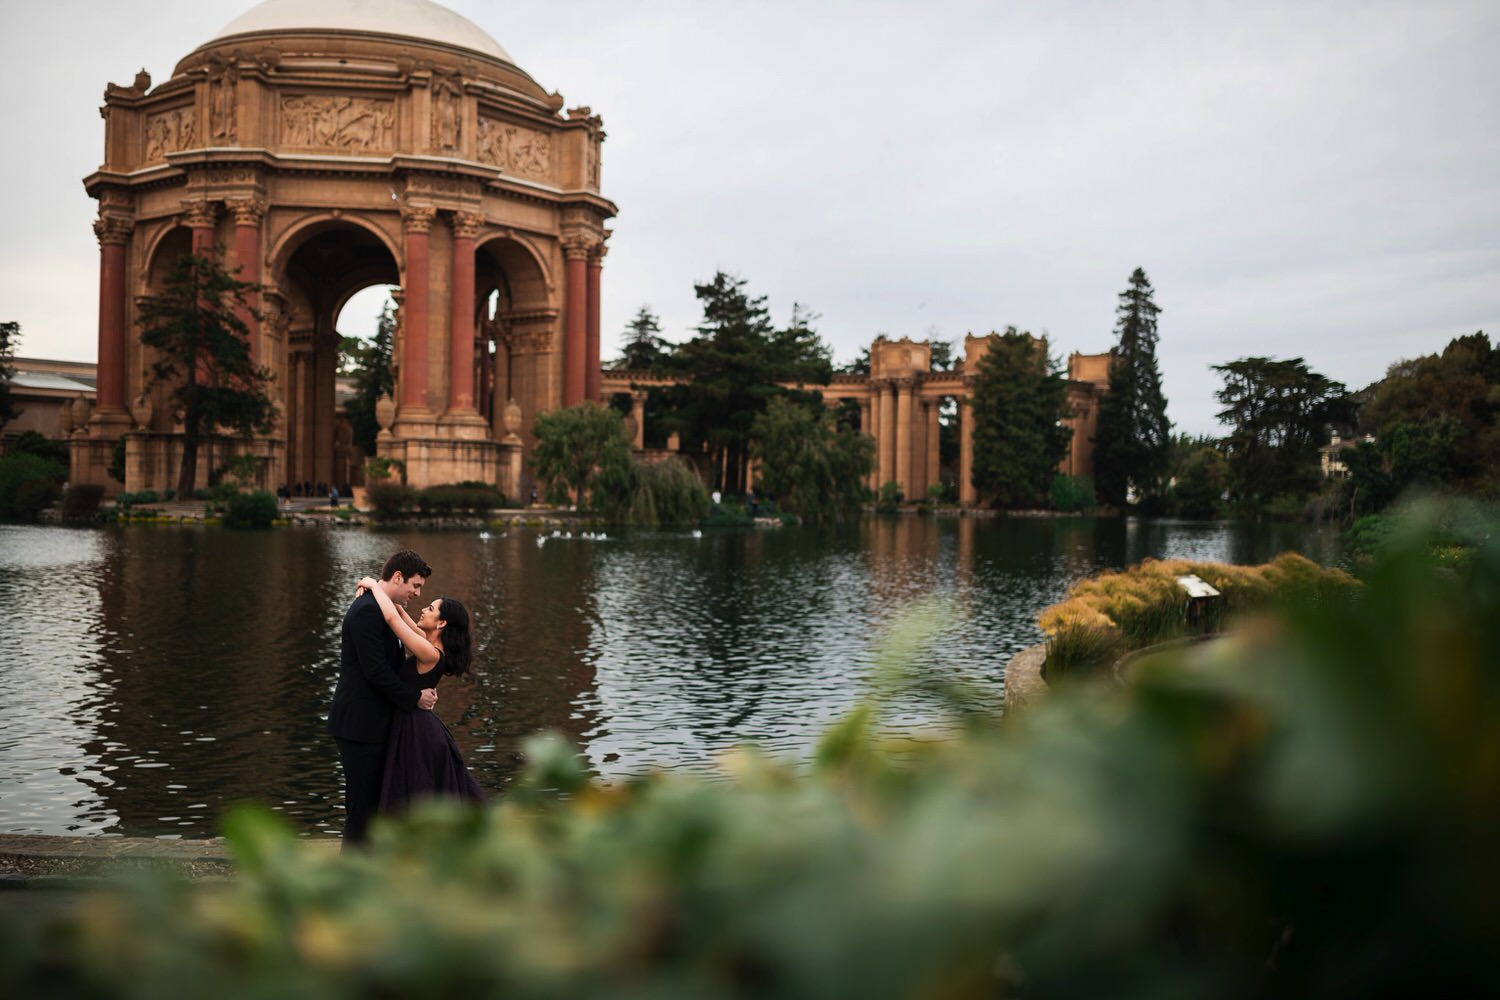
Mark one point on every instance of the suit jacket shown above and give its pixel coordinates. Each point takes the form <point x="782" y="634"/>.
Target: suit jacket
<point x="369" y="686"/>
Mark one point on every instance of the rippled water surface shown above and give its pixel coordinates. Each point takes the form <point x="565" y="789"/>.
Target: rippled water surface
<point x="154" y="675"/>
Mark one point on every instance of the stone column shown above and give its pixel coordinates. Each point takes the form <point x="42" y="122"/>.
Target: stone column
<point x="202" y="217"/>
<point x="417" y="220"/>
<point x="934" y="442"/>
<point x="638" y="414"/>
<point x="248" y="213"/>
<point x="592" y="377"/>
<point x="887" y="440"/>
<point x="967" y="495"/>
<point x="903" y="435"/>
<point x="113" y="234"/>
<point x="466" y="227"/>
<point x="867" y="428"/>
<point x="576" y="249"/>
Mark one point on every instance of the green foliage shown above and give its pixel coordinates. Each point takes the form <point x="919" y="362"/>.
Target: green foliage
<point x="201" y="351"/>
<point x="1018" y="402"/>
<point x="1301" y="811"/>
<point x="383" y="467"/>
<point x="116" y="469"/>
<point x="1074" y="494"/>
<point x="10" y="333"/>
<point x="80" y="501"/>
<point x="389" y="499"/>
<point x="370" y="363"/>
<point x="814" y="466"/>
<point x="29" y="484"/>
<point x="1277" y="412"/>
<point x="143" y="497"/>
<point x="645" y="350"/>
<point x="732" y="371"/>
<point x="36" y="443"/>
<point x="585" y="449"/>
<point x="256" y="509"/>
<point x="728" y="515"/>
<point x="663" y="493"/>
<point x="941" y="493"/>
<point x="890" y="497"/>
<point x="469" y="496"/>
<point x="243" y="469"/>
<point x="1133" y="442"/>
<point x="1201" y="475"/>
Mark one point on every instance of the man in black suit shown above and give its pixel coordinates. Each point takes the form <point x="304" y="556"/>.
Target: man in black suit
<point x="369" y="690"/>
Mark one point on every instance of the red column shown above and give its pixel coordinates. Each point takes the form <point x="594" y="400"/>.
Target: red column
<point x="414" y="325"/>
<point x="248" y="213"/>
<point x="202" y="217"/>
<point x="461" y="346"/>
<point x="592" y="379"/>
<point x="575" y="331"/>
<point x="113" y="234"/>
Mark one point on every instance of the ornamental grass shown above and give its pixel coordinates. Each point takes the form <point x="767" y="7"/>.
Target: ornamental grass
<point x="1107" y="616"/>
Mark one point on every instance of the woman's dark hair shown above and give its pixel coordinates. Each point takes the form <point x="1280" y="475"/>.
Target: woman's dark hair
<point x="457" y="648"/>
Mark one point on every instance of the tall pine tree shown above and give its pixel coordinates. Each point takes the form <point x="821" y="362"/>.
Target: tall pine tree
<point x="644" y="349"/>
<point x="1134" y="439"/>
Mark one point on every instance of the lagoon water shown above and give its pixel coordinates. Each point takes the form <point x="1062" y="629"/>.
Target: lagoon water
<point x="154" y="675"/>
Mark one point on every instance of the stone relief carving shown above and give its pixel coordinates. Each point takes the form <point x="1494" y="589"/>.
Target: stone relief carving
<point x="352" y="123"/>
<point x="517" y="150"/>
<point x="222" y="95"/>
<point x="169" y="131"/>
<point x="447" y="111"/>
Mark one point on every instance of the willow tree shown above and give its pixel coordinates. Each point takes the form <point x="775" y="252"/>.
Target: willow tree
<point x="202" y="351"/>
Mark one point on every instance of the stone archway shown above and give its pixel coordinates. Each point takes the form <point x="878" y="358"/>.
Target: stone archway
<point x="313" y="275"/>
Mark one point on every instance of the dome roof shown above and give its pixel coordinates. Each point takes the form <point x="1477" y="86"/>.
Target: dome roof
<point x="422" y="20"/>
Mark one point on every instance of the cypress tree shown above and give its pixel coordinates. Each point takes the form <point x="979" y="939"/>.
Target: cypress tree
<point x="1133" y="442"/>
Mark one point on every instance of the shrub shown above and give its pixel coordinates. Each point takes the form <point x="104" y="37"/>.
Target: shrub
<point x="388" y="499"/>
<point x="139" y="497"/>
<point x="1074" y="494"/>
<point x="81" y="500"/>
<point x="256" y="509"/>
<point x="728" y="515"/>
<point x="468" y="496"/>
<point x="665" y="493"/>
<point x="29" y="484"/>
<point x="37" y="443"/>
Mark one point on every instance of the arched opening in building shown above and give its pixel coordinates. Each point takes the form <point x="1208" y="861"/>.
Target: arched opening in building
<point x="366" y="325"/>
<point x="319" y="272"/>
<point x="514" y="329"/>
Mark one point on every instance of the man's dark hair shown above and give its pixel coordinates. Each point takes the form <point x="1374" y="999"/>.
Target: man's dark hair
<point x="407" y="563"/>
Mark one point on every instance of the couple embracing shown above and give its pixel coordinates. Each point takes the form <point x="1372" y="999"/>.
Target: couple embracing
<point x="393" y="748"/>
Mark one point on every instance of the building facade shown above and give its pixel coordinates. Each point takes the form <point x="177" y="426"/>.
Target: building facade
<point x="325" y="146"/>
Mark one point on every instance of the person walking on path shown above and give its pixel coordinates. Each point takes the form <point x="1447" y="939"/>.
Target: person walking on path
<point x="370" y="690"/>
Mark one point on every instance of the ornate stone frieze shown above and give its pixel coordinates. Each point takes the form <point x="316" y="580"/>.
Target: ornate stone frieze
<point x="441" y="186"/>
<point x="356" y="124"/>
<point x="418" y="218"/>
<point x="169" y="131"/>
<point x="112" y="229"/>
<point x="222" y="176"/>
<point x="515" y="149"/>
<point x="530" y="340"/>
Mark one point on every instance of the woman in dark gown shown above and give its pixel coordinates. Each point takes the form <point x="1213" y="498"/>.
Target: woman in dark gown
<point x="421" y="759"/>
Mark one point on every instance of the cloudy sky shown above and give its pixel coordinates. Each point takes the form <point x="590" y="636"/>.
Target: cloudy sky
<point x="1304" y="178"/>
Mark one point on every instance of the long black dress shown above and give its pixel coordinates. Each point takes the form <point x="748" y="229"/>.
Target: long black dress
<point x="421" y="759"/>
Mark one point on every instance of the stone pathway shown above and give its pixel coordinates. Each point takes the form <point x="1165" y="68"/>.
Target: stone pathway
<point x="40" y="862"/>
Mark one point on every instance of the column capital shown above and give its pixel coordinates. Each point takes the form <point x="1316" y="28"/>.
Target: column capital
<point x="248" y="211"/>
<point x="466" y="225"/>
<point x="200" y="213"/>
<point x="112" y="230"/>
<point x="598" y="253"/>
<point x="578" y="246"/>
<point x="417" y="218"/>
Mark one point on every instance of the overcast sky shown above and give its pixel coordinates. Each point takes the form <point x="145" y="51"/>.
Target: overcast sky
<point x="1305" y="178"/>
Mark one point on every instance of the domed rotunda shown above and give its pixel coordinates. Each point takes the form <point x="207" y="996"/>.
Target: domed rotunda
<point x="324" y="147"/>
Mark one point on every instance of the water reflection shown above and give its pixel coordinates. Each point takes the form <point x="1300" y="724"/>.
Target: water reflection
<point x="155" y="675"/>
